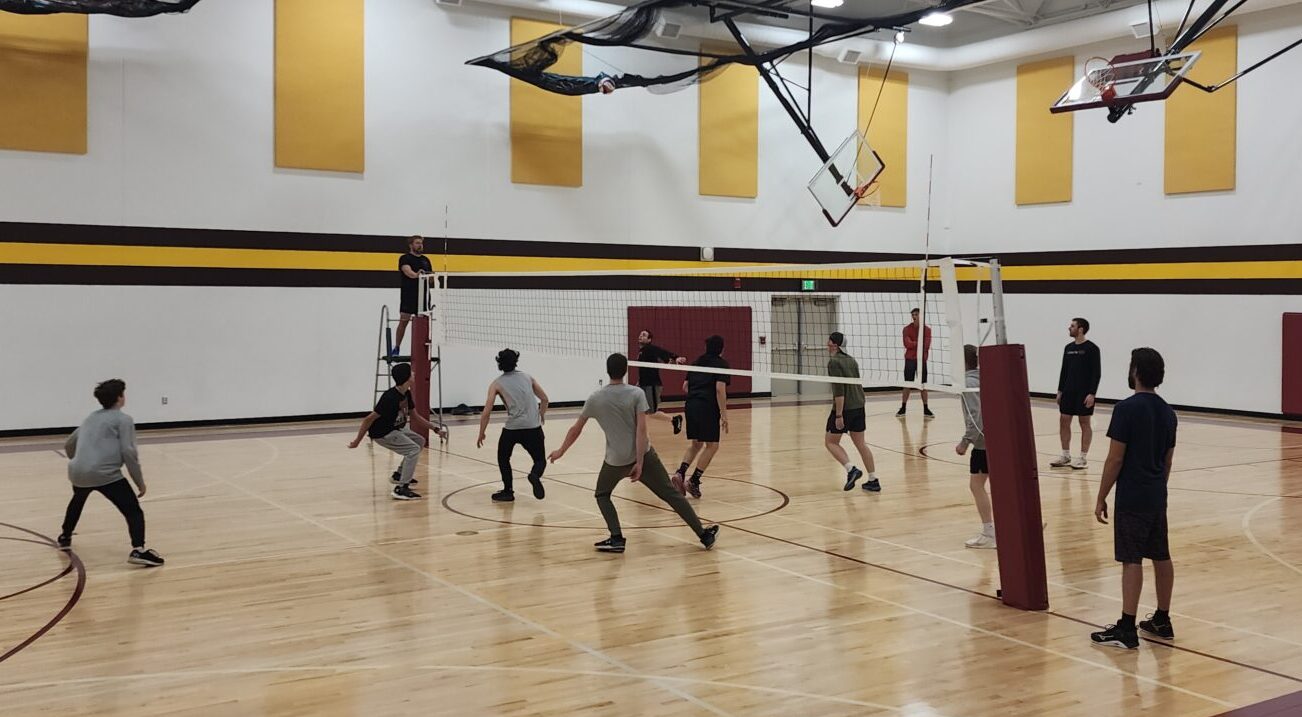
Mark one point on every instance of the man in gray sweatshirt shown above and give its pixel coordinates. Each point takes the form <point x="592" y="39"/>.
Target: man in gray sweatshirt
<point x="97" y="451"/>
<point x="975" y="437"/>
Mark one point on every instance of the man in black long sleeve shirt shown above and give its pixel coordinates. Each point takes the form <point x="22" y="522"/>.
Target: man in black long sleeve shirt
<point x="648" y="379"/>
<point x="1077" y="383"/>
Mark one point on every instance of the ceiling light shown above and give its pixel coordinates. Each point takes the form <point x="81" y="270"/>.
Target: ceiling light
<point x="829" y="4"/>
<point x="937" y="19"/>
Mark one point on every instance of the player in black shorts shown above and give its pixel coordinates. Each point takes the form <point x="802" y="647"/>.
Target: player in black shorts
<point x="707" y="413"/>
<point x="411" y="265"/>
<point x="911" y="361"/>
<point x="974" y="436"/>
<point x="848" y="416"/>
<point x="1139" y="464"/>
<point x="1077" y="382"/>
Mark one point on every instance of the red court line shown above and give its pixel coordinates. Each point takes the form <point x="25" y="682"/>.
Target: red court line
<point x="38" y="586"/>
<point x="77" y="592"/>
<point x="1286" y="706"/>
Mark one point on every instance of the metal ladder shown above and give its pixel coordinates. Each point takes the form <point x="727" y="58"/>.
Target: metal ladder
<point x="384" y="345"/>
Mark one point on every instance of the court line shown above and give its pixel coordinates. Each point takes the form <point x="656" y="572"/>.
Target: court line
<point x="465" y="592"/>
<point x="77" y="592"/>
<point x="1247" y="531"/>
<point x="67" y="569"/>
<point x="452" y="668"/>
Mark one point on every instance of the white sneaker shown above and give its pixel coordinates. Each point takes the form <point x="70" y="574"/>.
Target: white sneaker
<point x="1060" y="462"/>
<point x="1078" y="464"/>
<point x="982" y="541"/>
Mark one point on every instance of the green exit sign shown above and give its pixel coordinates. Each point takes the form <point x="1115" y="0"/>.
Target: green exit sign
<point x="808" y="285"/>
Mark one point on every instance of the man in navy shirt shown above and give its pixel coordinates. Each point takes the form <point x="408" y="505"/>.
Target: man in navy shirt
<point x="411" y="265"/>
<point x="1139" y="464"/>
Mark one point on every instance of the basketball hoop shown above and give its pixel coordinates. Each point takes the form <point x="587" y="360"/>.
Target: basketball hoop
<point x="1100" y="73"/>
<point x="868" y="194"/>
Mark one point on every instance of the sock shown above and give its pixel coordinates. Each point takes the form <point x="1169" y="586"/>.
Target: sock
<point x="682" y="467"/>
<point x="848" y="467"/>
<point x="1161" y="617"/>
<point x="696" y="475"/>
<point x="1066" y="454"/>
<point x="871" y="476"/>
<point x="1127" y="622"/>
<point x="988" y="529"/>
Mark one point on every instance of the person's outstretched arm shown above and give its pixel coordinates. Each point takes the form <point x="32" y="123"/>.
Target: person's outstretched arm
<point x="570" y="438"/>
<point x="371" y="417"/>
<point x="486" y="413"/>
<point x="130" y="454"/>
<point x="542" y="401"/>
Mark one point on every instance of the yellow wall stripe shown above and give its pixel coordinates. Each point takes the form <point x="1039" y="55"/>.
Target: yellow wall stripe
<point x="43" y="82"/>
<point x="546" y="128"/>
<point x="728" y="160"/>
<point x="1044" y="139"/>
<point x="108" y="255"/>
<point x="320" y="85"/>
<point x="889" y="133"/>
<point x="1201" y="128"/>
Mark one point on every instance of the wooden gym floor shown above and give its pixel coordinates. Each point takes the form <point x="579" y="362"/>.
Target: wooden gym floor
<point x="295" y="586"/>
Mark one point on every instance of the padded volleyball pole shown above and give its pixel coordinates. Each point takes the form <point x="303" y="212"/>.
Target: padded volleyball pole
<point x="420" y="370"/>
<point x="1014" y="481"/>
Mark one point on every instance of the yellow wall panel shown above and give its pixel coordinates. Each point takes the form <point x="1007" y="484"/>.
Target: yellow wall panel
<point x="1201" y="128"/>
<point x="728" y="160"/>
<point x="546" y="128"/>
<point x="321" y="85"/>
<point x="1044" y="139"/>
<point x="43" y="82"/>
<point x="889" y="133"/>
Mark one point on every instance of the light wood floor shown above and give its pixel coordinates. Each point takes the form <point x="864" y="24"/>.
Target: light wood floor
<point x="295" y="586"/>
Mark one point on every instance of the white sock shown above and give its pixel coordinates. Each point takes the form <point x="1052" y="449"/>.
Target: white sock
<point x="871" y="476"/>
<point x="848" y="467"/>
<point x="988" y="529"/>
<point x="1066" y="454"/>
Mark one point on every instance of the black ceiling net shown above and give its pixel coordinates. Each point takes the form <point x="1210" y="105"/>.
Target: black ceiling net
<point x="123" y="8"/>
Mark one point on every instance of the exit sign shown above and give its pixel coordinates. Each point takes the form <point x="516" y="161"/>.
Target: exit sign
<point x="808" y="285"/>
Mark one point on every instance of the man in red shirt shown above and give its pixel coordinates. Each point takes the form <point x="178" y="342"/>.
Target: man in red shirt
<point x="911" y="361"/>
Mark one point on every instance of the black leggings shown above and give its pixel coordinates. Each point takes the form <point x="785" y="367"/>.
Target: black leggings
<point x="122" y="496"/>
<point x="532" y="440"/>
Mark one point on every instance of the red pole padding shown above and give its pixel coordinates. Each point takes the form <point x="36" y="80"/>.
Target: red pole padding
<point x="420" y="369"/>
<point x="1291" y="380"/>
<point x="1014" y="482"/>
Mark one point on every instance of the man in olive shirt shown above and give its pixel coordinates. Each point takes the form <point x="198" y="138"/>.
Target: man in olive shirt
<point x="848" y="416"/>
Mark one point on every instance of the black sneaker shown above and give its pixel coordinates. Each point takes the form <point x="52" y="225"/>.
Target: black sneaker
<point x="678" y="424"/>
<point x="903" y="410"/>
<point x="610" y="545"/>
<point x="873" y="486"/>
<point x="396" y="479"/>
<point x="147" y="557"/>
<point x="404" y="492"/>
<point x="504" y="496"/>
<point x="538" y="491"/>
<point x="926" y="413"/>
<point x="852" y="477"/>
<point x="694" y="487"/>
<point x="1113" y="636"/>
<point x="1162" y="630"/>
<point x="710" y="535"/>
<point x="64" y="542"/>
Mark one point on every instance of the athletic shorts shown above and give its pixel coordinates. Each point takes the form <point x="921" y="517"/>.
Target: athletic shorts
<point x="911" y="370"/>
<point x="1136" y="536"/>
<point x="856" y="421"/>
<point x="977" y="463"/>
<point x="1073" y="404"/>
<point x="652" y="396"/>
<point x="407" y="305"/>
<point x="702" y="421"/>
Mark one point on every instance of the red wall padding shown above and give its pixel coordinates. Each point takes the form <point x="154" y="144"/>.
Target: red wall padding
<point x="1291" y="386"/>
<point x="683" y="330"/>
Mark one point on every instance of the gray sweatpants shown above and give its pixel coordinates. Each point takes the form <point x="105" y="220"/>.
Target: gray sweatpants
<point x="654" y="477"/>
<point x="407" y="444"/>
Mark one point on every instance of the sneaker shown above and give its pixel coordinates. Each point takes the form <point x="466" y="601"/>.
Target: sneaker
<point x="872" y="486"/>
<point x="677" y="422"/>
<point x="538" y="491"/>
<point x="710" y="535"/>
<point x="403" y="492"/>
<point x="396" y="479"/>
<point x="610" y="545"/>
<point x="902" y="411"/>
<point x="64" y="542"/>
<point x="981" y="541"/>
<point x="504" y="496"/>
<point x="694" y="488"/>
<point x="679" y="482"/>
<point x="1060" y="462"/>
<point x="147" y="557"/>
<point x="1078" y="464"/>
<point x="852" y="477"/>
<point x="1164" y="631"/>
<point x="926" y="412"/>
<point x="1113" y="636"/>
<point x="394" y="351"/>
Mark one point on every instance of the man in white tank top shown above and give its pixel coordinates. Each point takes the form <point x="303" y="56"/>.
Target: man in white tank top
<point x="526" y="407"/>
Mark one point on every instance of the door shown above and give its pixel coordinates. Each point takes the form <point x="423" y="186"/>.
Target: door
<point x="800" y="327"/>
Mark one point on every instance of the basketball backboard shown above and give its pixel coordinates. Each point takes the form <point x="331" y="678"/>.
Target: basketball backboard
<point x="1109" y="83"/>
<point x="846" y="177"/>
